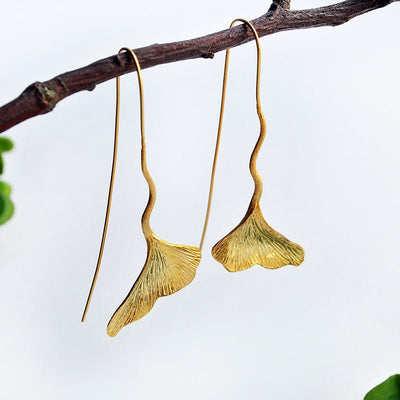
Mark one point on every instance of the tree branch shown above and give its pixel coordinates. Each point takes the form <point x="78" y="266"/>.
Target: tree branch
<point x="41" y="97"/>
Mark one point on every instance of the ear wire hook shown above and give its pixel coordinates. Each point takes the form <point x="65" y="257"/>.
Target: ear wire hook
<point x="257" y="180"/>
<point x="113" y="168"/>
<point x="168" y="268"/>
<point x="252" y="241"/>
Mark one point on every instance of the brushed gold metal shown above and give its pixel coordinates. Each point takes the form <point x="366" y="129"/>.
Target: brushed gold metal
<point x="169" y="267"/>
<point x="253" y="241"/>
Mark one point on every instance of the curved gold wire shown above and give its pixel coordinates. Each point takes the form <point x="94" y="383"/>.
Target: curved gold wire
<point x="253" y="241"/>
<point x="256" y="177"/>
<point x="152" y="190"/>
<point x="168" y="268"/>
<point x="109" y="200"/>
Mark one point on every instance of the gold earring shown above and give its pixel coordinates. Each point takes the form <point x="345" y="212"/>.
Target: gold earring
<point x="253" y="241"/>
<point x="168" y="267"/>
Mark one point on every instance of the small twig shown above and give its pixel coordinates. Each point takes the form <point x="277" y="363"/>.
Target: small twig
<point x="41" y="97"/>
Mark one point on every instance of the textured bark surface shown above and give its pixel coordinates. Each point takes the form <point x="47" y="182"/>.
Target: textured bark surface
<point x="282" y="3"/>
<point x="42" y="97"/>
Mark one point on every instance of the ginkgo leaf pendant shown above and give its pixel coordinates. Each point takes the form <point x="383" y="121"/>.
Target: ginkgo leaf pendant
<point x="168" y="268"/>
<point x="252" y="242"/>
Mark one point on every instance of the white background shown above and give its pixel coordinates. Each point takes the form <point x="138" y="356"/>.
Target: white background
<point x="328" y="329"/>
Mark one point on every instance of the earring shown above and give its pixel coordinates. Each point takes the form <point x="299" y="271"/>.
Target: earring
<point x="253" y="241"/>
<point x="168" y="267"/>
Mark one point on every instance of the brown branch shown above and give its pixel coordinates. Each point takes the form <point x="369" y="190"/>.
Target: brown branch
<point x="41" y="97"/>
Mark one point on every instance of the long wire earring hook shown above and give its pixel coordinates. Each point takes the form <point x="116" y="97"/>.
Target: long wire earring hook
<point x="168" y="268"/>
<point x="253" y="241"/>
<point x="257" y="180"/>
<point x="110" y="193"/>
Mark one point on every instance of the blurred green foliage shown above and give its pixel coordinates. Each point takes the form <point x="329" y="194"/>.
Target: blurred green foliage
<point x="388" y="390"/>
<point x="6" y="205"/>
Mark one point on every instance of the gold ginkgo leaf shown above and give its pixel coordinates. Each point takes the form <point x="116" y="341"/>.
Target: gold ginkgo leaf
<point x="252" y="242"/>
<point x="168" y="268"/>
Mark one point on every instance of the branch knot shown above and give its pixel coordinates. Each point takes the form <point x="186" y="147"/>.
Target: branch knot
<point x="47" y="96"/>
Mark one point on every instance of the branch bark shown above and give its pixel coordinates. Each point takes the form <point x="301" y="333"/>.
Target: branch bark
<point x="42" y="97"/>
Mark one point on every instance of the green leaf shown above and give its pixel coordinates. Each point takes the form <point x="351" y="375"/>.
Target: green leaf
<point x="5" y="188"/>
<point x="6" y="205"/>
<point x="388" y="390"/>
<point x="8" y="211"/>
<point x="5" y="144"/>
<point x="2" y="203"/>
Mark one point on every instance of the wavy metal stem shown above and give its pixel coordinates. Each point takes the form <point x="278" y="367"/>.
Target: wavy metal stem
<point x="152" y="189"/>
<point x="258" y="185"/>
